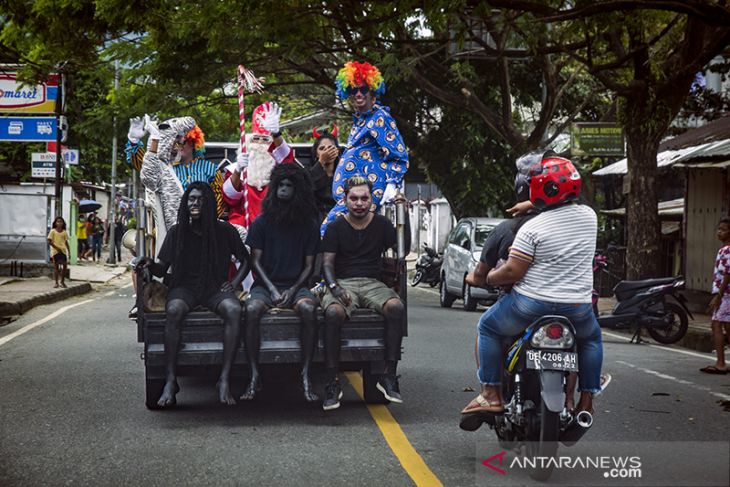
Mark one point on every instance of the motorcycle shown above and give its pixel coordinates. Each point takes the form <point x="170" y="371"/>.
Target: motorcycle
<point x="644" y="304"/>
<point x="428" y="267"/>
<point x="537" y="366"/>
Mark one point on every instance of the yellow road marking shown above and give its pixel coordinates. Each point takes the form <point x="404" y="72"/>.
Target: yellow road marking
<point x="409" y="458"/>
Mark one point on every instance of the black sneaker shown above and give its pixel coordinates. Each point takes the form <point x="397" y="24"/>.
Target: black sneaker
<point x="388" y="385"/>
<point x="332" y="396"/>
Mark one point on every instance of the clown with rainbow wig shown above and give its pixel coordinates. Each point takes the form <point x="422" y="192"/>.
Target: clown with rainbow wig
<point x="375" y="148"/>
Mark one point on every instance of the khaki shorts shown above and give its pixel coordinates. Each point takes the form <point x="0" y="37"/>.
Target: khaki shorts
<point x="365" y="292"/>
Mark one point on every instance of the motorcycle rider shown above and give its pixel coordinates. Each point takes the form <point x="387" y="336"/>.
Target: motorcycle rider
<point x="550" y="266"/>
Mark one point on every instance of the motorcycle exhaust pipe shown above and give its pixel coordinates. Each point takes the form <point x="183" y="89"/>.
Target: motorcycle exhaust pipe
<point x="584" y="419"/>
<point x="577" y="428"/>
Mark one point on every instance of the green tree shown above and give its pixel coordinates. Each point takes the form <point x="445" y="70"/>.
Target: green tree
<point x="647" y="53"/>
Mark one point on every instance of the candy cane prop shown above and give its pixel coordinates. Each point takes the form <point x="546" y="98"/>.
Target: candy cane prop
<point x="247" y="81"/>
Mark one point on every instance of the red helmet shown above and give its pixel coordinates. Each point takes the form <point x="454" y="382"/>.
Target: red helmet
<point x="558" y="182"/>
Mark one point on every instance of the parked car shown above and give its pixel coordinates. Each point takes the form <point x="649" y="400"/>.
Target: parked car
<point x="463" y="249"/>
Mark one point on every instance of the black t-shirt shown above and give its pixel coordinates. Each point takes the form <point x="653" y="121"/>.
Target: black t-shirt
<point x="359" y="252"/>
<point x="500" y="239"/>
<point x="229" y="243"/>
<point x="284" y="248"/>
<point x="322" y="185"/>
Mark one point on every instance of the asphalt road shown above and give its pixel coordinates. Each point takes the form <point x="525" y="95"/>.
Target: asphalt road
<point x="72" y="409"/>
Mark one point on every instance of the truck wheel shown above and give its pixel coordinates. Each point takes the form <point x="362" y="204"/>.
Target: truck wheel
<point x="370" y="393"/>
<point x="470" y="304"/>
<point x="446" y="299"/>
<point x="152" y="391"/>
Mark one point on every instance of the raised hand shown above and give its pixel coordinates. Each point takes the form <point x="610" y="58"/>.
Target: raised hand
<point x="271" y="117"/>
<point x="136" y="129"/>
<point x="150" y="125"/>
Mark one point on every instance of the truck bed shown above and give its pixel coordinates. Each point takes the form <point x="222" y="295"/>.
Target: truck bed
<point x="202" y="339"/>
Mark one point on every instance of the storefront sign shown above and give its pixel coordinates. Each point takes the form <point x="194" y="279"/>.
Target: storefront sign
<point x="597" y="139"/>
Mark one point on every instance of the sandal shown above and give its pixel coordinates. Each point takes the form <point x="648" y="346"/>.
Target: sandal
<point x="711" y="369"/>
<point x="485" y="406"/>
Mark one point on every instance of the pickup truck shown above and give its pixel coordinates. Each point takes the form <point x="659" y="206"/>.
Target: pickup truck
<point x="201" y="352"/>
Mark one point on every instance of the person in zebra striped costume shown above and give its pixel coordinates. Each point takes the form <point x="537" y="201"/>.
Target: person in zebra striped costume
<point x="191" y="165"/>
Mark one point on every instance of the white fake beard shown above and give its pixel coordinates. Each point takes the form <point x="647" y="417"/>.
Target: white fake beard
<point x="260" y="164"/>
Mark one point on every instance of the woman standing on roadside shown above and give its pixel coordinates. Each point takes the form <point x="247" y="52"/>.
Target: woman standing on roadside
<point x="58" y="240"/>
<point x="97" y="231"/>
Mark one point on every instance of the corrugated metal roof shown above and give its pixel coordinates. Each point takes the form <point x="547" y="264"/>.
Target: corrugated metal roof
<point x="664" y="208"/>
<point x="708" y="152"/>
<point x="707" y="144"/>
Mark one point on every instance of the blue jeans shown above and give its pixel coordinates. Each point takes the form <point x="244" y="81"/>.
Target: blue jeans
<point x="513" y="313"/>
<point x="98" y="240"/>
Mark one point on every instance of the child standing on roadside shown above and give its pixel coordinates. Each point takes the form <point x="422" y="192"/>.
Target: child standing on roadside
<point x="720" y="304"/>
<point x="58" y="240"/>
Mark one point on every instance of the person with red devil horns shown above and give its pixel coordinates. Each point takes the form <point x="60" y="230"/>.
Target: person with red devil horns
<point x="325" y="155"/>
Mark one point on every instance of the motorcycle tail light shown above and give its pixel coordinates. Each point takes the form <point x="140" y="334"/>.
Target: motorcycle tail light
<point x="552" y="335"/>
<point x="554" y="331"/>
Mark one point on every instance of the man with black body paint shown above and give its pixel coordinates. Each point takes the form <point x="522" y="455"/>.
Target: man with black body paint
<point x="284" y="241"/>
<point x="199" y="249"/>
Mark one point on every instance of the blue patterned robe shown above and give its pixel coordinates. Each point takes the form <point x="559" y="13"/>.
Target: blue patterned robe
<point x="375" y="149"/>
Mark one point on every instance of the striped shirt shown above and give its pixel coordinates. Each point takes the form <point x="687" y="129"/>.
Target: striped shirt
<point x="200" y="169"/>
<point x="559" y="244"/>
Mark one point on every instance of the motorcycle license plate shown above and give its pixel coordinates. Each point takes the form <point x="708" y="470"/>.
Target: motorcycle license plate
<point x="546" y="360"/>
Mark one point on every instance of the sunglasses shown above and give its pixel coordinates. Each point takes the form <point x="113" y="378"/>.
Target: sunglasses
<point x="363" y="90"/>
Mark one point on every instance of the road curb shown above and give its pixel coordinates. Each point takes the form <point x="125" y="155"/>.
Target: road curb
<point x="20" y="307"/>
<point x="698" y="339"/>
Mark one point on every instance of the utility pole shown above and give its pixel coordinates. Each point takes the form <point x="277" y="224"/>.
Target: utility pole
<point x="112" y="217"/>
<point x="59" y="160"/>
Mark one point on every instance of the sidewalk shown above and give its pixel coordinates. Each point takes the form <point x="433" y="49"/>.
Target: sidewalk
<point x="18" y="295"/>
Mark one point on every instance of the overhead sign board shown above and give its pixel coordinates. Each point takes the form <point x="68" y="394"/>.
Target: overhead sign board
<point x="597" y="139"/>
<point x="28" y="129"/>
<point x="16" y="97"/>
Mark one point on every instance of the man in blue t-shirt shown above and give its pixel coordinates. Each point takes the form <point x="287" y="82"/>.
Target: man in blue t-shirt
<point x="284" y="240"/>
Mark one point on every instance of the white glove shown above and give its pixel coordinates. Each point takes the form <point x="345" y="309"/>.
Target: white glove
<point x="150" y="125"/>
<point x="391" y="190"/>
<point x="241" y="162"/>
<point x="136" y="129"/>
<point x="271" y="117"/>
